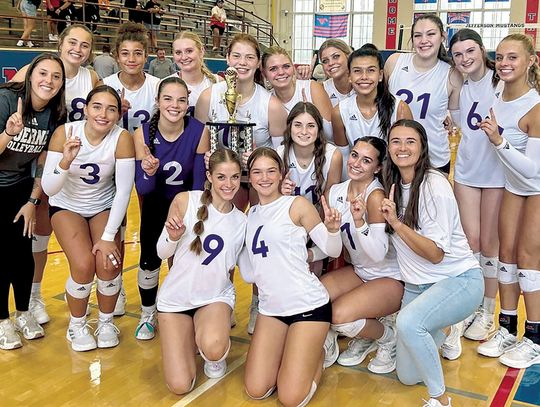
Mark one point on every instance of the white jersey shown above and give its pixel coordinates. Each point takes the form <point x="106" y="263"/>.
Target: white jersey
<point x="364" y="267"/>
<point x="426" y="93"/>
<point x="299" y="85"/>
<point x="77" y="89"/>
<point x="255" y="110"/>
<point x="195" y="90"/>
<point x="305" y="178"/>
<point x="198" y="280"/>
<point x="335" y="95"/>
<point x="356" y="125"/>
<point x="475" y="100"/>
<point x="278" y="256"/>
<point x="438" y="221"/>
<point x="142" y="100"/>
<point x="508" y="115"/>
<point x="89" y="187"/>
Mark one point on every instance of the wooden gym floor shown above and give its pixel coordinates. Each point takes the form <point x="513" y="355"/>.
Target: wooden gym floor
<point x="46" y="372"/>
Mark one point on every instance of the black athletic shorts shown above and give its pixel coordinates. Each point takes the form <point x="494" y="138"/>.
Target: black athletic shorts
<point x="321" y="314"/>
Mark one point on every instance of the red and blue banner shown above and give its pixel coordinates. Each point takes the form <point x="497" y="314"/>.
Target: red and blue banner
<point x="331" y="25"/>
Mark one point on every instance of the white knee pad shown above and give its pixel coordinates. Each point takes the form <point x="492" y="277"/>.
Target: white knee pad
<point x="264" y="396"/>
<point x="40" y="243"/>
<point x="110" y="287"/>
<point x="529" y="280"/>
<point x="349" y="329"/>
<point x="489" y="266"/>
<point x="148" y="279"/>
<point x="122" y="233"/>
<point x="309" y="396"/>
<point x="221" y="359"/>
<point x="78" y="290"/>
<point x="507" y="273"/>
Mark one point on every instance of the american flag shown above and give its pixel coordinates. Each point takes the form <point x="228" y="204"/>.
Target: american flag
<point x="459" y="18"/>
<point x="330" y="25"/>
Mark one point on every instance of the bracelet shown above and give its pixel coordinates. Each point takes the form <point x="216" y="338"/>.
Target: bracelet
<point x="9" y="135"/>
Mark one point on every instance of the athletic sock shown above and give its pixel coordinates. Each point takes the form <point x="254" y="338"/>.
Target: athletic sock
<point x="36" y="289"/>
<point x="532" y="331"/>
<point x="489" y="305"/>
<point x="509" y="321"/>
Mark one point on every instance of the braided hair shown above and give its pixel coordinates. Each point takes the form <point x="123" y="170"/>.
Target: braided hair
<point x="221" y="155"/>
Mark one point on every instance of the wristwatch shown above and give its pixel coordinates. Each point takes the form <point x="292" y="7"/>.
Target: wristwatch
<point x="35" y="201"/>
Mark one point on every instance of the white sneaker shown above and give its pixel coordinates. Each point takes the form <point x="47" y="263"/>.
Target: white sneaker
<point x="51" y="37"/>
<point x="20" y="43"/>
<point x="80" y="337"/>
<point x="437" y="403"/>
<point x="331" y="348"/>
<point x="451" y="348"/>
<point x="107" y="334"/>
<point x="525" y="354"/>
<point x="29" y="44"/>
<point x="501" y="342"/>
<point x="215" y="370"/>
<point x="55" y="37"/>
<point x="385" y="359"/>
<point x="120" y="307"/>
<point x="26" y="324"/>
<point x="469" y="320"/>
<point x="482" y="326"/>
<point x="146" y="329"/>
<point x="356" y="352"/>
<point x="37" y="308"/>
<point x="9" y="339"/>
<point x="253" y="312"/>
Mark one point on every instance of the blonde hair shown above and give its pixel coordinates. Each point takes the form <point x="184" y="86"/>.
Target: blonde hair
<point x="271" y="51"/>
<point x="221" y="155"/>
<point x="533" y="76"/>
<point x="189" y="35"/>
<point x="70" y="28"/>
<point x="335" y="43"/>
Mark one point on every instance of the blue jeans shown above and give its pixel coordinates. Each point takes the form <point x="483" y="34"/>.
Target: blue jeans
<point x="425" y="310"/>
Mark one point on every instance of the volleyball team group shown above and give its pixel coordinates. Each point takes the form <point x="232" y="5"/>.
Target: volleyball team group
<point x="354" y="168"/>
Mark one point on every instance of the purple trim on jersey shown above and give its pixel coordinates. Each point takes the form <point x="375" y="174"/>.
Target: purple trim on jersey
<point x="199" y="172"/>
<point x="177" y="159"/>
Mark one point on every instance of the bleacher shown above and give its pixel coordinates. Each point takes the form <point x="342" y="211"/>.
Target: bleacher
<point x="192" y="15"/>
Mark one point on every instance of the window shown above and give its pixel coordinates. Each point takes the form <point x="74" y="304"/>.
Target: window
<point x="484" y="13"/>
<point x="359" y="30"/>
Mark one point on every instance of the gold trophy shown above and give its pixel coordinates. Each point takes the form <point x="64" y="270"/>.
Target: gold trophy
<point x="239" y="134"/>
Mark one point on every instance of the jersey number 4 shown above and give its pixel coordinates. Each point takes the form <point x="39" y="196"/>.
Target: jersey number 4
<point x="259" y="247"/>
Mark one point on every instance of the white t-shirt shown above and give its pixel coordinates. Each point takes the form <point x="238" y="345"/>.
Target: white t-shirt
<point x="300" y="85"/>
<point x="305" y="178"/>
<point x="335" y="95"/>
<point x="356" y="125"/>
<point x="77" y="89"/>
<point x="255" y="110"/>
<point x="427" y="94"/>
<point x="475" y="100"/>
<point x="508" y="115"/>
<point x="89" y="187"/>
<point x="364" y="267"/>
<point x="439" y="221"/>
<point x="278" y="257"/>
<point x="198" y="280"/>
<point x="142" y="100"/>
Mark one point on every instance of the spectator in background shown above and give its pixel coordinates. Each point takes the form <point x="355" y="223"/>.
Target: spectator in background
<point x="152" y="20"/>
<point x="161" y="66"/>
<point x="52" y="6"/>
<point x="217" y="24"/>
<point x="105" y="64"/>
<point x="28" y="9"/>
<point x="135" y="13"/>
<point x="66" y="13"/>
